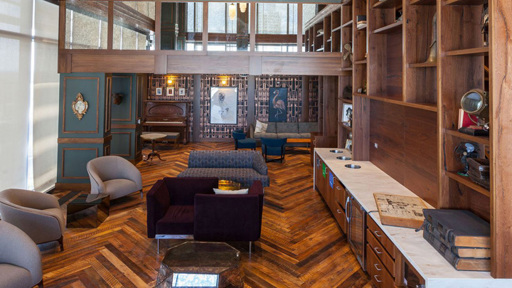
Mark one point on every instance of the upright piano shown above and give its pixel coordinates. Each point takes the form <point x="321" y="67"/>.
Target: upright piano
<point x="167" y="116"/>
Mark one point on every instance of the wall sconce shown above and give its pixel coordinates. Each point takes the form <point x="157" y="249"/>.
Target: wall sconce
<point x="243" y="7"/>
<point x="232" y="11"/>
<point x="169" y="80"/>
<point x="223" y="80"/>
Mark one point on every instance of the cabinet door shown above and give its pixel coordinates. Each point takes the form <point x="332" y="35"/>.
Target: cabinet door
<point x="319" y="178"/>
<point x="412" y="278"/>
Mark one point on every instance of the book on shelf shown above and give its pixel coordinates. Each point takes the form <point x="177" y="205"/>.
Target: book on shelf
<point x="461" y="228"/>
<point x="460" y="263"/>
<point x="458" y="251"/>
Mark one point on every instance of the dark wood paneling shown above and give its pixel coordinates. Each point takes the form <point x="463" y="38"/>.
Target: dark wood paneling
<point x="407" y="147"/>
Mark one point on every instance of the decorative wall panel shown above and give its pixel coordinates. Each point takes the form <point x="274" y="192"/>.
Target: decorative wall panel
<point x="216" y="131"/>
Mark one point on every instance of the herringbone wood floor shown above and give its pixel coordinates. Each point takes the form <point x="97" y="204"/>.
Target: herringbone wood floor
<point x="301" y="245"/>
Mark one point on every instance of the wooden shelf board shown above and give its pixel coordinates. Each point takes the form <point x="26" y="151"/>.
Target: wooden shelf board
<point x="470" y="51"/>
<point x="362" y="27"/>
<point x="345" y="126"/>
<point x="346" y="2"/>
<point x="423" y="65"/>
<point x="468" y="183"/>
<point x="359" y="62"/>
<point x="336" y="29"/>
<point x="346" y="69"/>
<point x="359" y="94"/>
<point x="320" y="34"/>
<point x="423" y="2"/>
<point x="478" y="139"/>
<point x="423" y="106"/>
<point x="320" y="49"/>
<point x="397" y="26"/>
<point x="387" y="4"/>
<point x="348" y="101"/>
<point x="349" y="23"/>
<point x="465" y="2"/>
<point x="329" y="40"/>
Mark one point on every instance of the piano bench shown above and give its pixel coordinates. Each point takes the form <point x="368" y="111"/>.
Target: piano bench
<point x="174" y="136"/>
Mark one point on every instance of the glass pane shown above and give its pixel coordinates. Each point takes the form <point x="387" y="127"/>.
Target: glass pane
<point x="182" y="26"/>
<point x="134" y="25"/>
<point x="228" y="26"/>
<point x="86" y="24"/>
<point x="308" y="12"/>
<point x="276" y="27"/>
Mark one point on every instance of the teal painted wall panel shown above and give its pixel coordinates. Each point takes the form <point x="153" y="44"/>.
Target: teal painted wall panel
<point x="123" y="143"/>
<point x="92" y="87"/>
<point x="125" y="111"/>
<point x="73" y="160"/>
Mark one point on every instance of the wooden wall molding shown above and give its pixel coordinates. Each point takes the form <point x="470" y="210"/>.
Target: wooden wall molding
<point x="129" y="144"/>
<point x="103" y="140"/>
<point x="63" y="161"/>
<point x="129" y="119"/>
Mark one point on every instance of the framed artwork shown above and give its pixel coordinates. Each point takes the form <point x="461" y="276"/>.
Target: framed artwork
<point x="348" y="144"/>
<point x="347" y="114"/>
<point x="159" y="91"/>
<point x="181" y="92"/>
<point x="278" y="102"/>
<point x="224" y="105"/>
<point x="170" y="91"/>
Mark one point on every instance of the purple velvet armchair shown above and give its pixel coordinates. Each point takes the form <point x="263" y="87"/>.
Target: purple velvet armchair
<point x="186" y="208"/>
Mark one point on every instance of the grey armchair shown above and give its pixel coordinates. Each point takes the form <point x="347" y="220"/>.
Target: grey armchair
<point x="37" y="214"/>
<point x="115" y="176"/>
<point x="20" y="259"/>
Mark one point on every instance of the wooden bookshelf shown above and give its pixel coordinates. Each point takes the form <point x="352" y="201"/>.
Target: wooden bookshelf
<point x="484" y="140"/>
<point x="423" y="65"/>
<point x="391" y="28"/>
<point x="465" y="2"/>
<point x="481" y="51"/>
<point x="349" y="23"/>
<point x="387" y="4"/>
<point x="468" y="183"/>
<point x="423" y="2"/>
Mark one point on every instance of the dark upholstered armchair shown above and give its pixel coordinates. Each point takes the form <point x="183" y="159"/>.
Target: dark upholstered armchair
<point x="181" y="208"/>
<point x="273" y="147"/>
<point x="243" y="143"/>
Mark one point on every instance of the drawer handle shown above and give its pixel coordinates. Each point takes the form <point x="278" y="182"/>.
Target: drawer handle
<point x="377" y="278"/>
<point x="338" y="210"/>
<point x="376" y="249"/>
<point x="377" y="267"/>
<point x="377" y="233"/>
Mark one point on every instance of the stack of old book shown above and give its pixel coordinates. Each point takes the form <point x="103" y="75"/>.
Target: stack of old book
<point x="460" y="236"/>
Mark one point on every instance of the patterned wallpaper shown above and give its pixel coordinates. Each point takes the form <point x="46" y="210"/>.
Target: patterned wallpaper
<point x="293" y="84"/>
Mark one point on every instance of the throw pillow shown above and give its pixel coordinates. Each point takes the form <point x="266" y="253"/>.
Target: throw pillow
<point x="231" y="192"/>
<point x="260" y="127"/>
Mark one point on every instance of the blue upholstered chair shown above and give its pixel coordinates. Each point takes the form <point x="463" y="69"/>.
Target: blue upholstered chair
<point x="273" y="147"/>
<point x="241" y="142"/>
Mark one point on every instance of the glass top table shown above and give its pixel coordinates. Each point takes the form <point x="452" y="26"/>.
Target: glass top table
<point x="201" y="264"/>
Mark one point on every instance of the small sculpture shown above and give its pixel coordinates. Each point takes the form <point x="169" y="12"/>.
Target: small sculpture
<point x="432" y="57"/>
<point x="348" y="55"/>
<point x="118" y="98"/>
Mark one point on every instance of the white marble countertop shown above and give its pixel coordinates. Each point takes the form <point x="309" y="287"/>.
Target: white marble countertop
<point x="369" y="179"/>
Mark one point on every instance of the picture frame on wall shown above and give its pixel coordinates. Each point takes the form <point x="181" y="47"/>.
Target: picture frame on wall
<point x="181" y="92"/>
<point x="347" y="114"/>
<point x="170" y="91"/>
<point x="158" y="91"/>
<point x="224" y="105"/>
<point x="278" y="104"/>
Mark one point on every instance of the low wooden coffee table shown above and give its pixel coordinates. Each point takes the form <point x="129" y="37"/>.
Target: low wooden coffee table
<point x="300" y="140"/>
<point x="201" y="264"/>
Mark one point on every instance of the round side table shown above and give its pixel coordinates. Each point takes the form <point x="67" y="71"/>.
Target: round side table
<point x="153" y="137"/>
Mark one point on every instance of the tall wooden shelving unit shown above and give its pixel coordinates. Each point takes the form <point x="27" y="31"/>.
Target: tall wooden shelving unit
<point x="390" y="57"/>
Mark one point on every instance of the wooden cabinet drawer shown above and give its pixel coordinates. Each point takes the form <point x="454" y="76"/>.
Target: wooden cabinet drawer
<point x="379" y="275"/>
<point x="381" y="253"/>
<point x="340" y="217"/>
<point x="380" y="236"/>
<point x="340" y="194"/>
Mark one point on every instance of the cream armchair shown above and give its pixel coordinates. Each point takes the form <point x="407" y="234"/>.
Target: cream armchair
<point x="37" y="214"/>
<point x="115" y="176"/>
<point x="20" y="259"/>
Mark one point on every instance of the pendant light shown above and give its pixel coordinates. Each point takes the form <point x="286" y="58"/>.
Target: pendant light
<point x="232" y="11"/>
<point x="243" y="7"/>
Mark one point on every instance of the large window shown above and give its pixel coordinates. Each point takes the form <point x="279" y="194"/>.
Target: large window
<point x="276" y="27"/>
<point x="228" y="26"/>
<point x="30" y="94"/>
